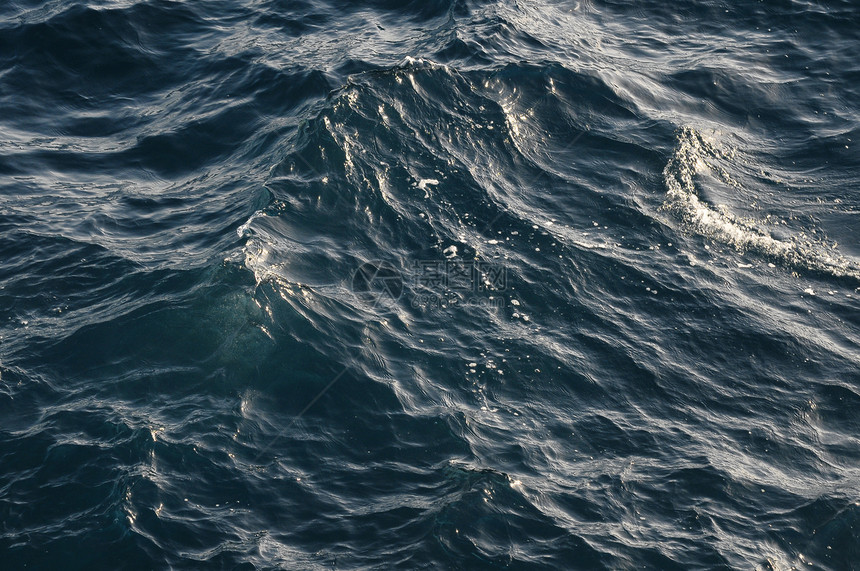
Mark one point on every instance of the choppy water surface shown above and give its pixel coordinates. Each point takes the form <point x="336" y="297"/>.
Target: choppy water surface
<point x="439" y="284"/>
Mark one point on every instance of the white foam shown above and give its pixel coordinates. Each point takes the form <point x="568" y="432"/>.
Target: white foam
<point x="695" y="154"/>
<point x="424" y="182"/>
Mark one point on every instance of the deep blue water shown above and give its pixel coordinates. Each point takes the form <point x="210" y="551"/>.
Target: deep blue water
<point x="434" y="284"/>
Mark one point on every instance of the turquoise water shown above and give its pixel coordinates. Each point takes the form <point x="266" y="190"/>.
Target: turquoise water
<point x="440" y="284"/>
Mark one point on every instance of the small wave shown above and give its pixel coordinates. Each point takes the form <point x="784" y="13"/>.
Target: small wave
<point x="695" y="154"/>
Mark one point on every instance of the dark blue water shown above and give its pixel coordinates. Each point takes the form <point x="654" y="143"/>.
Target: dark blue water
<point x="429" y="285"/>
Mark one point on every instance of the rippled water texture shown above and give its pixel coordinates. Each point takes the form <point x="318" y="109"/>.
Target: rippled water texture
<point x="438" y="284"/>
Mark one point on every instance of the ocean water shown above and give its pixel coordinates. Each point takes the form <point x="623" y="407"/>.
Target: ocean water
<point x="449" y="284"/>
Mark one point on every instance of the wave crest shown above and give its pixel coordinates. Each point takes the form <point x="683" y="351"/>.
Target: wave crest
<point x="695" y="154"/>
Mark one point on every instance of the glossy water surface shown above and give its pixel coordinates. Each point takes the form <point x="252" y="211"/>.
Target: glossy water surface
<point x="606" y="311"/>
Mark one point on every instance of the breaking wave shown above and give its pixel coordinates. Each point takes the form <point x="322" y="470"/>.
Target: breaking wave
<point x="696" y="154"/>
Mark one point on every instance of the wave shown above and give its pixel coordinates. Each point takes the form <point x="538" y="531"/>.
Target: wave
<point x="696" y="154"/>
